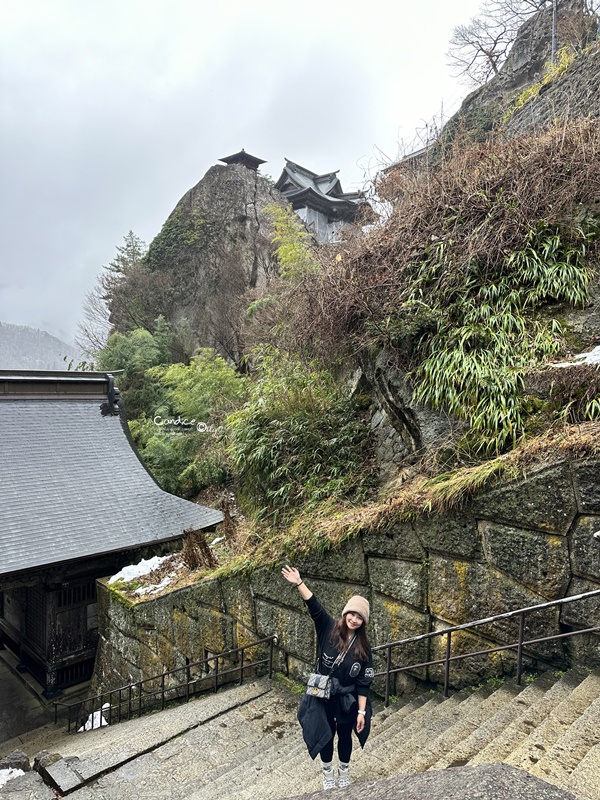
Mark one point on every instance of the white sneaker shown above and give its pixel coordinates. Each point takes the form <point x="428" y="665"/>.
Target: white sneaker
<point x="344" y="775"/>
<point x="329" y="778"/>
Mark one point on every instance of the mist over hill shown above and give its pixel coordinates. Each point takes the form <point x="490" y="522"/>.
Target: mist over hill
<point x="22" y="347"/>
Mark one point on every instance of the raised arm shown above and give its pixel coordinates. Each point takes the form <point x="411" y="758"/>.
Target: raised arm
<point x="292" y="575"/>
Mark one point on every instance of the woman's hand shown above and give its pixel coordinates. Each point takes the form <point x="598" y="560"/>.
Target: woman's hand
<point x="291" y="574"/>
<point x="360" y="722"/>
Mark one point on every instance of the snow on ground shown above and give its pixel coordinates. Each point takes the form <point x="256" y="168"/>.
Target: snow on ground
<point x="593" y="357"/>
<point x="95" y="720"/>
<point x="8" y="774"/>
<point x="145" y="566"/>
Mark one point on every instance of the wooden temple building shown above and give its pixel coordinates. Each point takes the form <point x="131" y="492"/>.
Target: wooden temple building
<point x="76" y="504"/>
<point x="319" y="200"/>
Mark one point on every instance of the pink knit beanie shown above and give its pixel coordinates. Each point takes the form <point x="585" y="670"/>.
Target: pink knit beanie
<point x="359" y="605"/>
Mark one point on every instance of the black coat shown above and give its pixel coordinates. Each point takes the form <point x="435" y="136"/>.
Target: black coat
<point x="351" y="679"/>
<point x="312" y="716"/>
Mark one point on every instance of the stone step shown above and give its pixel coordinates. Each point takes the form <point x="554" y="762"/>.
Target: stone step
<point x="291" y="772"/>
<point x="250" y="745"/>
<point x="561" y="760"/>
<point x="518" y="731"/>
<point x="491" y="728"/>
<point x="471" y="718"/>
<point x="556" y="723"/>
<point x="393" y="716"/>
<point x="152" y="738"/>
<point x="584" y="782"/>
<point x="250" y="762"/>
<point x="388" y="757"/>
<point x="244" y="743"/>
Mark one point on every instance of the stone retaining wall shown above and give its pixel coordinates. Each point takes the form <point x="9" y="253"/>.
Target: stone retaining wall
<point x="517" y="545"/>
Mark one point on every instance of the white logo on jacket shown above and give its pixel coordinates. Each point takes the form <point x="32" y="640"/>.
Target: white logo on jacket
<point x="354" y="669"/>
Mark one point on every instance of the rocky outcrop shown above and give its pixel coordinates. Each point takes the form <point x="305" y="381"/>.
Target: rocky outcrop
<point x="214" y="246"/>
<point x="517" y="545"/>
<point x="573" y="94"/>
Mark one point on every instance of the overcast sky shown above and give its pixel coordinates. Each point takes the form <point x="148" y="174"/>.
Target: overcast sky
<point x="110" y="110"/>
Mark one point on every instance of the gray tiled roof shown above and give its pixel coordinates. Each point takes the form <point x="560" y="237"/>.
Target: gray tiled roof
<point x="71" y="486"/>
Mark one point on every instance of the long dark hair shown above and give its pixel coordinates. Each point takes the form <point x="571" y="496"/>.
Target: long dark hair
<point x="340" y="634"/>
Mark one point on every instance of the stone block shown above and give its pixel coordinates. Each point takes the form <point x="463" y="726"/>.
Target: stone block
<point x="582" y="613"/>
<point x="462" y="592"/>
<point x="457" y="536"/>
<point x="334" y="596"/>
<point x="343" y="563"/>
<point x="544" y="501"/>
<point x="238" y="601"/>
<point x="584" y="649"/>
<point x="215" y="630"/>
<point x="470" y="671"/>
<point x="299" y="670"/>
<point x="401" y="580"/>
<point x="585" y="550"/>
<point x="586" y="477"/>
<point x="398" y="540"/>
<point x="538" y="561"/>
<point x="18" y="759"/>
<point x="295" y="631"/>
<point x="271" y="585"/>
<point x="392" y="621"/>
<point x="206" y="592"/>
<point x="64" y="775"/>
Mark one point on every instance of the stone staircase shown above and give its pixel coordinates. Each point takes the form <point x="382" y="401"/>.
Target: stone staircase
<point x="245" y="743"/>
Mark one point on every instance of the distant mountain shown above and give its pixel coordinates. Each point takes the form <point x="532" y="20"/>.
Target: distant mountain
<point x="22" y="347"/>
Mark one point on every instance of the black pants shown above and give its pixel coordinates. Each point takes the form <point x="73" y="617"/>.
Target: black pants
<point x="344" y="732"/>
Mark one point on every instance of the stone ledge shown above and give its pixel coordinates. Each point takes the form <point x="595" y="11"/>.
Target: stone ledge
<point x="486" y="782"/>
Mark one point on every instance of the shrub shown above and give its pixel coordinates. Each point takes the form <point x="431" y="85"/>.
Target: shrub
<point x="298" y="440"/>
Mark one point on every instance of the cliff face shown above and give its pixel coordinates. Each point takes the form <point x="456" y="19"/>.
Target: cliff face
<point x="574" y="94"/>
<point x="215" y="244"/>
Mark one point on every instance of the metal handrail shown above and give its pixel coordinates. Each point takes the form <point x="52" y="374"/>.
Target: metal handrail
<point x="134" y="699"/>
<point x="448" y="658"/>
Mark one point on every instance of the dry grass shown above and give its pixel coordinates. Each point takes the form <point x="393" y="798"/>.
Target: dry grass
<point x="422" y="494"/>
<point x="478" y="207"/>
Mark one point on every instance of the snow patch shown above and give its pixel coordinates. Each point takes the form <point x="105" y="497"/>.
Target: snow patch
<point x="95" y="720"/>
<point x="593" y="357"/>
<point x="145" y="566"/>
<point x="8" y="774"/>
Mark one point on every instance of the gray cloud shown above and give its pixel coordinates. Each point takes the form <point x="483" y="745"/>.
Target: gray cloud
<point x="110" y="111"/>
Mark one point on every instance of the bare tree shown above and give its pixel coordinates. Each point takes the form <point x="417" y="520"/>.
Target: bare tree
<point x="478" y="50"/>
<point x="94" y="328"/>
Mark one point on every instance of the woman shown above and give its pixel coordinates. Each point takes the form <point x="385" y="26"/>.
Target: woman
<point x="348" y="707"/>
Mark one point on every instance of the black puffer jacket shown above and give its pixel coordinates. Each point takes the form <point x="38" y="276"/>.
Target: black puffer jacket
<point x="351" y="679"/>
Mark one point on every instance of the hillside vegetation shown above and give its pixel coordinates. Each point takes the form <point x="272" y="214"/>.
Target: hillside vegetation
<point x="468" y="290"/>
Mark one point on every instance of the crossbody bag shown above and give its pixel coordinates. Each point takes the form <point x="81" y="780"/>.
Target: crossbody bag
<point x="319" y="685"/>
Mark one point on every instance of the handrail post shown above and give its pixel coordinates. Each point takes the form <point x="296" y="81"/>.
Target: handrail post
<point x="387" y="676"/>
<point x="242" y="666"/>
<point x="187" y="681"/>
<point x="162" y="691"/>
<point x="271" y="645"/>
<point x="447" y="664"/>
<point x="520" y="647"/>
<point x="216" y="673"/>
<point x="140" y="684"/>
